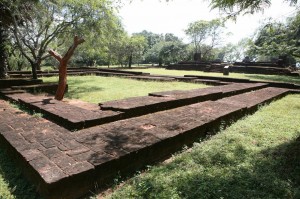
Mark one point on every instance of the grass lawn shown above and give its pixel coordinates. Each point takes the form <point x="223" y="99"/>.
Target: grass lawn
<point x="256" y="157"/>
<point x="279" y="78"/>
<point x="97" y="89"/>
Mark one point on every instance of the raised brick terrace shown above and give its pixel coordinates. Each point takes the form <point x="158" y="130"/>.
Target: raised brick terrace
<point x="76" y="146"/>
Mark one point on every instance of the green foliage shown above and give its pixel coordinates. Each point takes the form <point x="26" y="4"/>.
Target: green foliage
<point x="234" y="52"/>
<point x="101" y="46"/>
<point x="205" y="36"/>
<point x="54" y="23"/>
<point x="151" y="38"/>
<point x="135" y="47"/>
<point x="236" y="7"/>
<point x="164" y="49"/>
<point x="257" y="157"/>
<point x="167" y="52"/>
<point x="275" y="39"/>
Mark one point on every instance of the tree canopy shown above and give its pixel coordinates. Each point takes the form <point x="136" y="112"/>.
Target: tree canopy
<point x="205" y="35"/>
<point x="52" y="23"/>
<point x="7" y="8"/>
<point x="276" y="39"/>
<point x="235" y="7"/>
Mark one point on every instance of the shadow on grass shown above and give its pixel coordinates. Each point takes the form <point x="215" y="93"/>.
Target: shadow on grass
<point x="78" y="90"/>
<point x="18" y="186"/>
<point x="278" y="78"/>
<point x="274" y="173"/>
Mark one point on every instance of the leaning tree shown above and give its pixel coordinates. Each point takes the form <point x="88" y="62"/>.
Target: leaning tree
<point x="63" y="61"/>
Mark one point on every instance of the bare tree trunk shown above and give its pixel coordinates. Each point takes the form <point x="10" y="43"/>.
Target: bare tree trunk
<point x="35" y="65"/>
<point x="33" y="70"/>
<point x="63" y="61"/>
<point x="130" y="61"/>
<point x="3" y="54"/>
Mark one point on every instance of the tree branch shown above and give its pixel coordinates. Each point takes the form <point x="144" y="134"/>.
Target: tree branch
<point x="15" y="32"/>
<point x="46" y="56"/>
<point x="55" y="55"/>
<point x="69" y="53"/>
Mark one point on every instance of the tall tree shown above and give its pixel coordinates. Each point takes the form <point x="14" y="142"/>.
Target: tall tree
<point x="234" y="52"/>
<point x="166" y="52"/>
<point x="135" y="48"/>
<point x="63" y="61"/>
<point x="151" y="38"/>
<point x="278" y="39"/>
<point x="51" y="21"/>
<point x="204" y="35"/>
<point x="7" y="10"/>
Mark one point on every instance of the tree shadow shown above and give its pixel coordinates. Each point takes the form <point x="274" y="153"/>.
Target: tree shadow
<point x="77" y="91"/>
<point x="274" y="173"/>
<point x="18" y="186"/>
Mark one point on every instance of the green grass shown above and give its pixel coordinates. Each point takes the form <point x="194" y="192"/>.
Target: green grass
<point x="256" y="157"/>
<point x="279" y="78"/>
<point x="13" y="185"/>
<point x="97" y="89"/>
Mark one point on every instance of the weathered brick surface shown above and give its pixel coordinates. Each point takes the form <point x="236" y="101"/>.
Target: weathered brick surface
<point x="172" y="99"/>
<point x="251" y="99"/>
<point x="70" y="116"/>
<point x="210" y="82"/>
<point x="67" y="164"/>
<point x="152" y="78"/>
<point x="6" y="83"/>
<point x="134" y="103"/>
<point x="225" y="90"/>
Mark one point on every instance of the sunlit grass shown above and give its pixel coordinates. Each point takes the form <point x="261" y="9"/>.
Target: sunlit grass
<point x="97" y="89"/>
<point x="256" y="157"/>
<point x="279" y="78"/>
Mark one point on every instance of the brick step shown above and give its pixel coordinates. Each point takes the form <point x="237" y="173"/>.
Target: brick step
<point x="237" y="80"/>
<point x="7" y="83"/>
<point x="48" y="88"/>
<point x="223" y="79"/>
<point x="67" y="165"/>
<point x="252" y="100"/>
<point x="152" y="78"/>
<point x="177" y="78"/>
<point x="73" y="117"/>
<point x="122" y="71"/>
<point x="192" y="79"/>
<point x="67" y="115"/>
<point x="7" y="91"/>
<point x="109" y="74"/>
<point x="210" y="82"/>
<point x="171" y="99"/>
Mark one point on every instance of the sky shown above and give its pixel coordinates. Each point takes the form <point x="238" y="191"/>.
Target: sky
<point x="159" y="16"/>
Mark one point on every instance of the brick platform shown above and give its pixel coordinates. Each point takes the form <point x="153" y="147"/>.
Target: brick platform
<point x="66" y="164"/>
<point x="152" y="78"/>
<point x="172" y="99"/>
<point x="6" y="83"/>
<point x="70" y="116"/>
